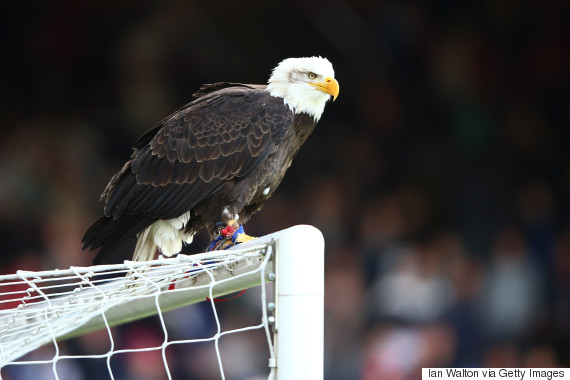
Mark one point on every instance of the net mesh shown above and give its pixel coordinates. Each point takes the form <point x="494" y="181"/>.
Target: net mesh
<point x="44" y="308"/>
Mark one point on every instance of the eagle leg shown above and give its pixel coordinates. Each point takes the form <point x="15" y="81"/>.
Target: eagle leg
<point x="229" y="236"/>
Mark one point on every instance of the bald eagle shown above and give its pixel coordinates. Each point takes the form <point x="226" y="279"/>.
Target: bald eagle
<point x="213" y="162"/>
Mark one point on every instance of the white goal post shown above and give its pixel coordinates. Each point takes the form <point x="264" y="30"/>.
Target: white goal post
<point x="39" y="308"/>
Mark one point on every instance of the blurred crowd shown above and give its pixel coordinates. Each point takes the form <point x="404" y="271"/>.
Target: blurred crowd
<point x="440" y="177"/>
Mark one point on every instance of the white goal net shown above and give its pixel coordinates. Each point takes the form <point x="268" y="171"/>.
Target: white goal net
<point x="43" y="309"/>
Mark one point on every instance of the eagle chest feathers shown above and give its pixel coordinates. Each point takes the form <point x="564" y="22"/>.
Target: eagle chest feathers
<point x="273" y="169"/>
<point x="217" y="159"/>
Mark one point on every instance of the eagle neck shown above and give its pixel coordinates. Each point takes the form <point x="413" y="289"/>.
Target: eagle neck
<point x="299" y="102"/>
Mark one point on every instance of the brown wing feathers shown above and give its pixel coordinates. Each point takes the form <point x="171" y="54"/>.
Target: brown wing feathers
<point x="225" y="134"/>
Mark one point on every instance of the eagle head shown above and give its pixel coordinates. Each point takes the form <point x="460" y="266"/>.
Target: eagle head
<point x="305" y="84"/>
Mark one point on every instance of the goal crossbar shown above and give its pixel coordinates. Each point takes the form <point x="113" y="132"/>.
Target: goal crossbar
<point x="86" y="300"/>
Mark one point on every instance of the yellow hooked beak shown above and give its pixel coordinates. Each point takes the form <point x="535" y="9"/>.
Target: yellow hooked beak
<point x="329" y="86"/>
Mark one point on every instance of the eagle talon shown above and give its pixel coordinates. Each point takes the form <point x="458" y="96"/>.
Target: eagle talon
<point x="217" y="229"/>
<point x="228" y="237"/>
<point x="242" y="238"/>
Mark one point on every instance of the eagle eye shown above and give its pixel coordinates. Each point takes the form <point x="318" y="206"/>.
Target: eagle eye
<point x="312" y="75"/>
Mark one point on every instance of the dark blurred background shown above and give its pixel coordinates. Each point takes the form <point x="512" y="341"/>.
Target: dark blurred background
<point x="440" y="176"/>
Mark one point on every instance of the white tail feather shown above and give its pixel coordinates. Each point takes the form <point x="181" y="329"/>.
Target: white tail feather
<point x="166" y="235"/>
<point x="145" y="248"/>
